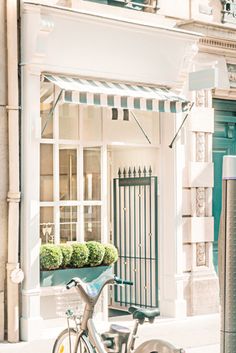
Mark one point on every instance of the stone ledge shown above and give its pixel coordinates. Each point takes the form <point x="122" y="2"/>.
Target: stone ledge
<point x="200" y="174"/>
<point x="198" y="229"/>
<point x="202" y="120"/>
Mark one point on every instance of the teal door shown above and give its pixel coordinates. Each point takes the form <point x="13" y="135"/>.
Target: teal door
<point x="224" y="142"/>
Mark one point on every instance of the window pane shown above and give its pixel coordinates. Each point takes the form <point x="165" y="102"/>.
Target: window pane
<point x="46" y="172"/>
<point x="92" y="174"/>
<point x="92" y="123"/>
<point x="46" y="225"/>
<point x="69" y="121"/>
<point x="68" y="223"/>
<point x="68" y="173"/>
<point x="92" y="223"/>
<point x="138" y="129"/>
<point x="46" y="104"/>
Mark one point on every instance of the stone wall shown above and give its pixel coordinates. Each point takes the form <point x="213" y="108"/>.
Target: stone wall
<point x="201" y="285"/>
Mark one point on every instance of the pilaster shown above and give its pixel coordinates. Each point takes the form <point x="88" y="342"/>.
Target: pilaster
<point x="201" y="285"/>
<point x="30" y="240"/>
<point x="171" y="279"/>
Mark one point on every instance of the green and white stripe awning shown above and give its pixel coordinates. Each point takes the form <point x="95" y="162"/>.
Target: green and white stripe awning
<point x="118" y="95"/>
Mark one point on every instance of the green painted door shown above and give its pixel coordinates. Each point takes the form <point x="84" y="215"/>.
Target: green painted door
<point x="224" y="142"/>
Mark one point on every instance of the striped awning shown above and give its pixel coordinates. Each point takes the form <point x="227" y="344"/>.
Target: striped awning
<point x="118" y="95"/>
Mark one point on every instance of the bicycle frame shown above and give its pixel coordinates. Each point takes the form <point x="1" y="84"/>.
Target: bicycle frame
<point x="86" y="331"/>
<point x="90" y="335"/>
<point x="89" y="331"/>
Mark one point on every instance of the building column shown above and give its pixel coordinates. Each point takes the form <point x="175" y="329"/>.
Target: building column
<point x="201" y="284"/>
<point x="30" y="175"/>
<point x="171" y="279"/>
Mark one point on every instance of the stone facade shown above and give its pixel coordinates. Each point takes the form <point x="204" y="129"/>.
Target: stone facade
<point x="188" y="282"/>
<point x="199" y="224"/>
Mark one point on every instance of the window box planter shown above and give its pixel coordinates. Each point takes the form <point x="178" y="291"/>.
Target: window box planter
<point x="62" y="276"/>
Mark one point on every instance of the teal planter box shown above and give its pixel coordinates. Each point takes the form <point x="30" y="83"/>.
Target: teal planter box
<point x="63" y="276"/>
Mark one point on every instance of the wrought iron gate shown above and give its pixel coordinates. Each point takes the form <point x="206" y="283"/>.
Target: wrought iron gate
<point x="135" y="235"/>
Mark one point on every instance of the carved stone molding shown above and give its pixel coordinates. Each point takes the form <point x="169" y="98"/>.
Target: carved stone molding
<point x="203" y="99"/>
<point x="46" y="23"/>
<point x="201" y="254"/>
<point x="46" y="27"/>
<point x="200" y="146"/>
<point x="218" y="43"/>
<point x="200" y="98"/>
<point x="200" y="202"/>
<point x="188" y="58"/>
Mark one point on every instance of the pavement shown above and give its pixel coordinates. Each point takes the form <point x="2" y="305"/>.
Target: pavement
<point x="198" y="334"/>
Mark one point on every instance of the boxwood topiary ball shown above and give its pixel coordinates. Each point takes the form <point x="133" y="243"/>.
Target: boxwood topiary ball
<point x="50" y="257"/>
<point x="111" y="254"/>
<point x="66" y="250"/>
<point x="79" y="257"/>
<point x="96" y="253"/>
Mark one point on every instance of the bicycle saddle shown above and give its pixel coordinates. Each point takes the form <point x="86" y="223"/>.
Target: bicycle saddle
<point x="141" y="313"/>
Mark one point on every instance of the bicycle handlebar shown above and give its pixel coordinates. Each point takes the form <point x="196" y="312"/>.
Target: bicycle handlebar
<point x="122" y="281"/>
<point x="71" y="284"/>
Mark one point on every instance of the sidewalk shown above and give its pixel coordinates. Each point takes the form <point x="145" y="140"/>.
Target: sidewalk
<point x="196" y="334"/>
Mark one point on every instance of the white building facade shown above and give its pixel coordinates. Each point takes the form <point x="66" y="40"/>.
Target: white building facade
<point x="77" y="148"/>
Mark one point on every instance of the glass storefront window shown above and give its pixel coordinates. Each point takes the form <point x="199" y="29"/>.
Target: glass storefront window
<point x="70" y="207"/>
<point x="46" y="104"/>
<point x="140" y="123"/>
<point x="68" y="223"/>
<point x="46" y="172"/>
<point x="69" y="121"/>
<point x="46" y="225"/>
<point x="68" y="173"/>
<point x="92" y="173"/>
<point x="92" y="223"/>
<point x="92" y="123"/>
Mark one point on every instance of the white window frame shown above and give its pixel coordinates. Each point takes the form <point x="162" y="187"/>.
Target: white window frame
<point x="79" y="145"/>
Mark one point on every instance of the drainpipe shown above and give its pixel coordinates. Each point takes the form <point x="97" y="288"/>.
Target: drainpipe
<point x="14" y="274"/>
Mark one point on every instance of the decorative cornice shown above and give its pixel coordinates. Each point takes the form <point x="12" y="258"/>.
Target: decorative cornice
<point x="224" y="94"/>
<point x="218" y="43"/>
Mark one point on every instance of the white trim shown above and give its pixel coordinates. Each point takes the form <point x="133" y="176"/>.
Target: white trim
<point x="70" y="203"/>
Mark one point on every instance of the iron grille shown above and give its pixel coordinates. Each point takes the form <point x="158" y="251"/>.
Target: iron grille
<point x="135" y="235"/>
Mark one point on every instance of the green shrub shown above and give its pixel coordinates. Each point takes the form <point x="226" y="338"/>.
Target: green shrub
<point x="96" y="253"/>
<point x="50" y="257"/>
<point x="66" y="250"/>
<point x="79" y="257"/>
<point x="111" y="254"/>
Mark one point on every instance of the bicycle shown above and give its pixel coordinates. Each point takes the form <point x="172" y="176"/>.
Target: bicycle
<point x="83" y="337"/>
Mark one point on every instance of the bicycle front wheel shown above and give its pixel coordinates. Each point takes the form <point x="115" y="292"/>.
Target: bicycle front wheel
<point x="68" y="341"/>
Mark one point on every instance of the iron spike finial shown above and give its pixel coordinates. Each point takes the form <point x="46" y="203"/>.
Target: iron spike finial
<point x="139" y="172"/>
<point x="119" y="173"/>
<point x="134" y="172"/>
<point x="144" y="171"/>
<point x="150" y="171"/>
<point x="124" y="173"/>
<point x="129" y="172"/>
